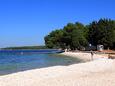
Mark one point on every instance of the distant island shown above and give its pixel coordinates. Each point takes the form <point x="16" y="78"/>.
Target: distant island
<point x="25" y="47"/>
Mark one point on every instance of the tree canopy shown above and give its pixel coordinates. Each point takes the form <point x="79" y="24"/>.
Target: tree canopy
<point x="102" y="32"/>
<point x="77" y="35"/>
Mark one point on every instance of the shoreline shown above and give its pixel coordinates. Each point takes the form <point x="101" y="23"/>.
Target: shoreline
<point x="99" y="72"/>
<point x="84" y="56"/>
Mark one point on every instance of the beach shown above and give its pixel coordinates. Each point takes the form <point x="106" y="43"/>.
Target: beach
<point x="99" y="72"/>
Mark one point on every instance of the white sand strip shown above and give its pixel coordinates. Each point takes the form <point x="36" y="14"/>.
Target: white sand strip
<point x="100" y="72"/>
<point x="83" y="56"/>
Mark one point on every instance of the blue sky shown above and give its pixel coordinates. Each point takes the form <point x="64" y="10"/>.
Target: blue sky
<point x="26" y="22"/>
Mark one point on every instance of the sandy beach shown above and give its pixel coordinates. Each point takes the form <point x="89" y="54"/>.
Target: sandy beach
<point x="99" y="72"/>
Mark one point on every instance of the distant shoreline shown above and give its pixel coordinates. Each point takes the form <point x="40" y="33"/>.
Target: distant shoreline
<point x="28" y="49"/>
<point x="25" y="47"/>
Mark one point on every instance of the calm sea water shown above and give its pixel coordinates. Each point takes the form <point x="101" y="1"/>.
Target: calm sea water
<point x="20" y="60"/>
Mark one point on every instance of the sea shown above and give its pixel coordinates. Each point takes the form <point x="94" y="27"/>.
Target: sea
<point x="12" y="61"/>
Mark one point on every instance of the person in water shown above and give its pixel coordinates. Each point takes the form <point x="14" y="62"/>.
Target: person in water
<point x="92" y="55"/>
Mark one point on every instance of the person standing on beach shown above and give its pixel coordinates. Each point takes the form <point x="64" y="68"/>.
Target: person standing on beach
<point x="92" y="55"/>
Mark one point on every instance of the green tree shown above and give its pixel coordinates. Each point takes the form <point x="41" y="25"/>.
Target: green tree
<point x="53" y="40"/>
<point x="78" y="39"/>
<point x="67" y="36"/>
<point x="79" y="36"/>
<point x="102" y="32"/>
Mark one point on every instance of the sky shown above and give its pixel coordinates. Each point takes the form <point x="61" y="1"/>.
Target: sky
<point x="26" y="22"/>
